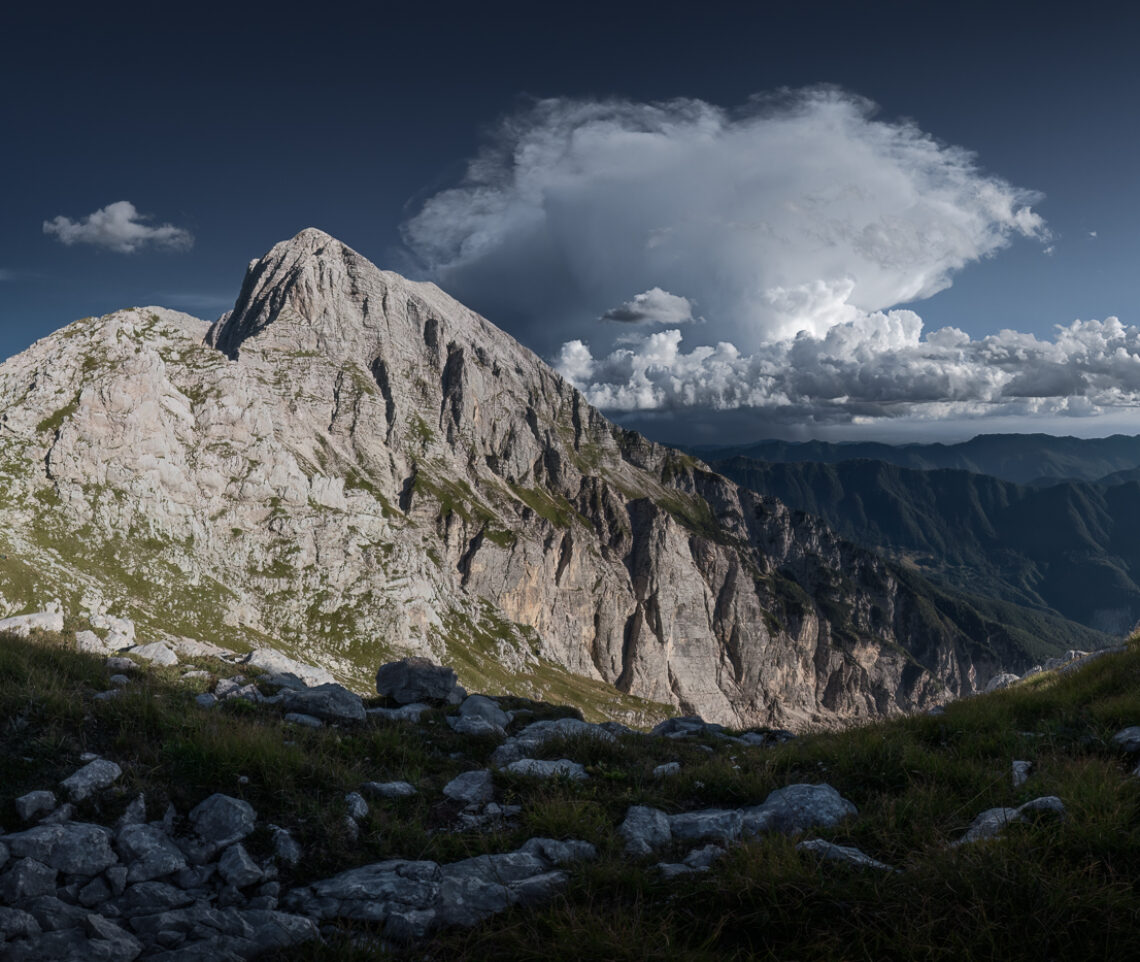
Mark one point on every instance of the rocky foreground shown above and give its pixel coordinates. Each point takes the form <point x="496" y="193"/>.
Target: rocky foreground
<point x="217" y="881"/>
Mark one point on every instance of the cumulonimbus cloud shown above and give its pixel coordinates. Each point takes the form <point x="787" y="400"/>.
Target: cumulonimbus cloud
<point x="794" y="213"/>
<point x="119" y="227"/>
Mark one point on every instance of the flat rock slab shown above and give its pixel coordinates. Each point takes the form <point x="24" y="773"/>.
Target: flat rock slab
<point x="157" y="653"/>
<point x="471" y="788"/>
<point x="331" y="702"/>
<point x="412" y="898"/>
<point x="275" y="663"/>
<point x="549" y="768"/>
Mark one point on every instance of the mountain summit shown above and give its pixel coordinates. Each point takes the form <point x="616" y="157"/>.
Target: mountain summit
<point x="351" y="465"/>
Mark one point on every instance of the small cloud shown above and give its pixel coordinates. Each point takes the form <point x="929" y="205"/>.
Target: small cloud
<point x="118" y="227"/>
<point x="1048" y="251"/>
<point x="653" y="306"/>
<point x="1092" y="234"/>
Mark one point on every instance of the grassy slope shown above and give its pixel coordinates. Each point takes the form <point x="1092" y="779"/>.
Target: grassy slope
<point x="1045" y="891"/>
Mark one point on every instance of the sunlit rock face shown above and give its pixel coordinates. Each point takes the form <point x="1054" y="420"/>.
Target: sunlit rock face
<point x="351" y="466"/>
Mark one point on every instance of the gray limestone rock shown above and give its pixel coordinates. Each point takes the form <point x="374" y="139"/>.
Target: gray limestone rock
<point x="91" y="643"/>
<point x="274" y="663"/>
<point x="474" y="725"/>
<point x="237" y="868"/>
<point x="471" y="788"/>
<point x="645" y="829"/>
<point x="91" y="778"/>
<point x="669" y="768"/>
<point x="285" y="847"/>
<point x="1001" y="680"/>
<point x="480" y="706"/>
<point x="357" y="806"/>
<point x="841" y="853"/>
<point x="35" y="803"/>
<point x="135" y="812"/>
<point x="220" y="821"/>
<point x="410" y="712"/>
<point x="798" y="808"/>
<point x="26" y="879"/>
<point x="1020" y="771"/>
<point x="16" y="923"/>
<point x="330" y="702"/>
<point x="53" y="914"/>
<point x="206" y="700"/>
<point x="709" y="824"/>
<point x="390" y="789"/>
<point x="148" y="852"/>
<point x="157" y="653"/>
<point x="989" y="824"/>
<point x="76" y="848"/>
<point x="24" y="625"/>
<point x="118" y="663"/>
<point x="415" y="680"/>
<point x="538" y="733"/>
<point x="1128" y="740"/>
<point x="548" y="768"/>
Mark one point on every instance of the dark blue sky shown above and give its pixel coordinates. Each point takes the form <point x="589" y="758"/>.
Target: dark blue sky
<point x="245" y="124"/>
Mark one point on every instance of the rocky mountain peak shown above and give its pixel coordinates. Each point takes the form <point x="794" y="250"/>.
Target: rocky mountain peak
<point x="310" y="293"/>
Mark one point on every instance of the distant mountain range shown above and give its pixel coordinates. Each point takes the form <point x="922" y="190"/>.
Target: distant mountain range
<point x="1020" y="458"/>
<point x="1072" y="547"/>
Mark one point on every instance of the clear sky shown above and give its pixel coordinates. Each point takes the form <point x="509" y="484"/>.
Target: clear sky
<point x="662" y="196"/>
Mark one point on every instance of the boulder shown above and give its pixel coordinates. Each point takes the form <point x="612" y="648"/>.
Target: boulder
<point x="416" y="679"/>
<point x="471" y="788"/>
<point x="669" y="768"/>
<point x="148" y="852"/>
<point x="35" y="803"/>
<point x="546" y="768"/>
<point x="91" y="778"/>
<point x="357" y="806"/>
<point x="390" y="789"/>
<point x="1002" y="680"/>
<point x="480" y="706"/>
<point x="644" y="830"/>
<point x="1128" y="740"/>
<point x="330" y="702"/>
<point x="220" y="821"/>
<point x="26" y="879"/>
<point x="798" y="808"/>
<point x="76" y="848"/>
<point x="157" y="653"/>
<point x="237" y="868"/>
<point x="1020" y="772"/>
<point x="91" y="643"/>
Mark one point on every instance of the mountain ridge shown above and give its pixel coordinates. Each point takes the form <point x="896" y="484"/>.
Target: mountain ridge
<point x="351" y="465"/>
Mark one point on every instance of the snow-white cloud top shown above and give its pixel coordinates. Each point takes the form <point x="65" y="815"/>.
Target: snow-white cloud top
<point x="794" y="213"/>
<point x="118" y="227"/>
<point x="879" y="366"/>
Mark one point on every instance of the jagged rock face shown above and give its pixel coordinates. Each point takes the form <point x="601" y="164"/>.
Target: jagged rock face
<point x="352" y="465"/>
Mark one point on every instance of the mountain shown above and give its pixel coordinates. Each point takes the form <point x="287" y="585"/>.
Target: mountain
<point x="1020" y="458"/>
<point x="1070" y="547"/>
<point x="351" y="466"/>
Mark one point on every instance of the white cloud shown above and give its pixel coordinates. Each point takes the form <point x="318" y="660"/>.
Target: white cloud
<point x="797" y="212"/>
<point x="118" y="227"/>
<point x="653" y="306"/>
<point x="877" y="367"/>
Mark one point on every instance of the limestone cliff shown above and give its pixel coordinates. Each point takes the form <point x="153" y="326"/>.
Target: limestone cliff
<point x="351" y="464"/>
